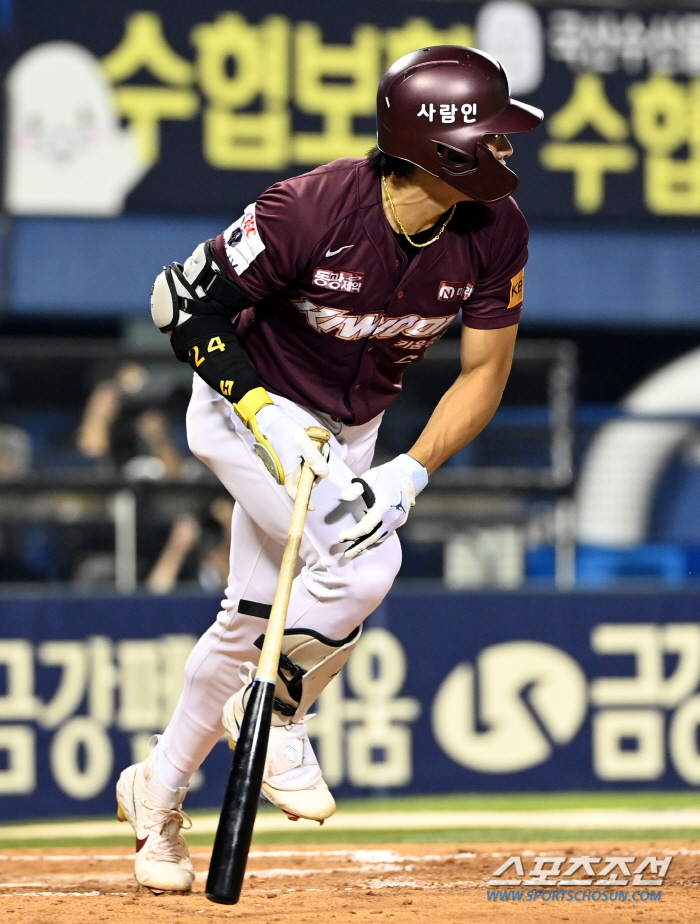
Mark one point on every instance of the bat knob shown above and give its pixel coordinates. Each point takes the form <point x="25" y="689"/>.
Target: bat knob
<point x="319" y="434"/>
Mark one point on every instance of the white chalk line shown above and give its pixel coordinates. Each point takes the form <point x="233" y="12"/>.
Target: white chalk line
<point x="383" y="855"/>
<point x="61" y="894"/>
<point x="374" y="884"/>
<point x="578" y="819"/>
<point x="79" y="858"/>
<point x="65" y="879"/>
<point x="275" y="873"/>
<point x="358" y="856"/>
<point x="380" y="862"/>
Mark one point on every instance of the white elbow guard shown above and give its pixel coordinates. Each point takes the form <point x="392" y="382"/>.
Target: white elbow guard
<point x="177" y="283"/>
<point x="168" y="297"/>
<point x="201" y="278"/>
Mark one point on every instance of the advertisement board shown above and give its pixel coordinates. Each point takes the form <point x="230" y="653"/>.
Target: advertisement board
<point x="173" y="106"/>
<point x="444" y="693"/>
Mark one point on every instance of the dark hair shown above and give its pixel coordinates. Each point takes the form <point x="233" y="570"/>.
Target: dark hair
<point x="386" y="165"/>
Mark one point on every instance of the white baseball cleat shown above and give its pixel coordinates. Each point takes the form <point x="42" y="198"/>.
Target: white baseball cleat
<point x="292" y="778"/>
<point x="162" y="858"/>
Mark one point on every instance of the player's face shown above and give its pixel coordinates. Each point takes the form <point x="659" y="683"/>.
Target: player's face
<point x="499" y="145"/>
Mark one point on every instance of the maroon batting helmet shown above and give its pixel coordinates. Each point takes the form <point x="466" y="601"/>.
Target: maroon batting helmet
<point x="434" y="107"/>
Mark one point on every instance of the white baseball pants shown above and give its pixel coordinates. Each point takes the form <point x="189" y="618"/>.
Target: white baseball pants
<point x="330" y="594"/>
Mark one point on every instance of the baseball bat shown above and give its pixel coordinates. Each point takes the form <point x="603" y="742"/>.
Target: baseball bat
<point x="235" y="830"/>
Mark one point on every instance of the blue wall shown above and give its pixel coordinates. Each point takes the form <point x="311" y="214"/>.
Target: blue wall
<point x="107" y="267"/>
<point x="97" y="266"/>
<point x="445" y="692"/>
<point x="613" y="277"/>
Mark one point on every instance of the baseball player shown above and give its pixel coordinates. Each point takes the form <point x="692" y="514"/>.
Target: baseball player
<point x="305" y="311"/>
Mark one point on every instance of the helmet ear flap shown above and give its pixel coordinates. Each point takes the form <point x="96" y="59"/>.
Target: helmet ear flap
<point x="490" y="180"/>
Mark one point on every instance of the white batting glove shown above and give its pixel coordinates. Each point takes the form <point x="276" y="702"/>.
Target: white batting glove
<point x="389" y="491"/>
<point x="291" y="445"/>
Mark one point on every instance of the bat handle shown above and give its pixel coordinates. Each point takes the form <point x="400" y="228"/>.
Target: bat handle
<point x="269" y="658"/>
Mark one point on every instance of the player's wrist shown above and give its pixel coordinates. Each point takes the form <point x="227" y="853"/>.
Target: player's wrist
<point x="415" y="470"/>
<point x="268" y="414"/>
<point x="250" y="405"/>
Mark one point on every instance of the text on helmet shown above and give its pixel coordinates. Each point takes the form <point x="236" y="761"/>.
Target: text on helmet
<point x="448" y="111"/>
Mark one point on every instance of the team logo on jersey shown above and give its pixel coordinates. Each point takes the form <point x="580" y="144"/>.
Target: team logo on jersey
<point x="349" y="326"/>
<point x="516" y="289"/>
<point x="454" y="291"/>
<point x="340" y="280"/>
<point x="242" y="240"/>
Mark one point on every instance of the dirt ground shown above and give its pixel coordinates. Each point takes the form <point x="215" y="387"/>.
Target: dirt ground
<point x="420" y="884"/>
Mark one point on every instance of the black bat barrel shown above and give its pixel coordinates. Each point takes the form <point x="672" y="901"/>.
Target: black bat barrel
<point x="235" y="831"/>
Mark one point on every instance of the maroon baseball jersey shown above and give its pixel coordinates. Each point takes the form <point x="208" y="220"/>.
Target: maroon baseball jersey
<point x="338" y="311"/>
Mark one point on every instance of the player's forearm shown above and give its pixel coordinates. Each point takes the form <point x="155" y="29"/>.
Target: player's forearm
<point x="461" y="415"/>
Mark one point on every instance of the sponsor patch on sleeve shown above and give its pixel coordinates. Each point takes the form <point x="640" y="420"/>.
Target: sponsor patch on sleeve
<point x="242" y="240"/>
<point x="516" y="289"/>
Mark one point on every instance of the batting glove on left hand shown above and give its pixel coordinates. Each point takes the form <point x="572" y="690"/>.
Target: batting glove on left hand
<point x="290" y="444"/>
<point x="389" y="491"/>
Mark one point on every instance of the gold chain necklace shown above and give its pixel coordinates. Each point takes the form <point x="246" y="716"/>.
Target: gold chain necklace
<point x="401" y="227"/>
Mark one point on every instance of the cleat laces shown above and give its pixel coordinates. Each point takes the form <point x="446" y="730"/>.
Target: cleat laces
<point x="169" y="845"/>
